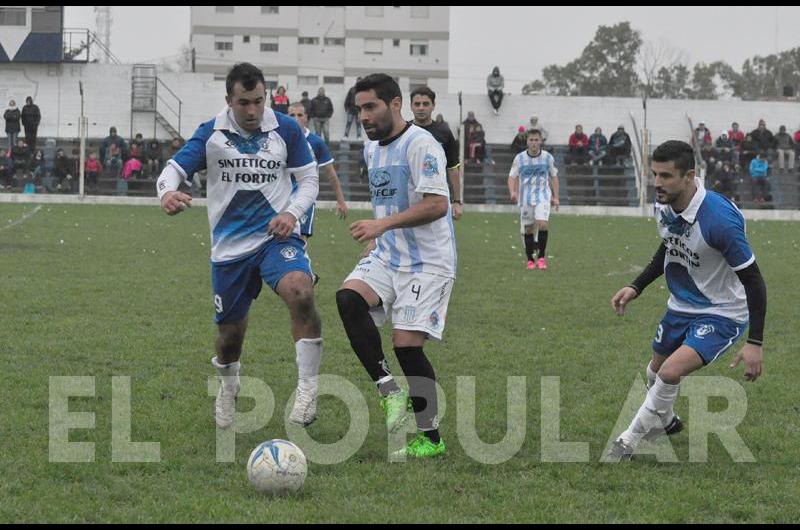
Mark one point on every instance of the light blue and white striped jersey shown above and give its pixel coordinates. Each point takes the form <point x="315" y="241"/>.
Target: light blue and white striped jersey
<point x="533" y="174"/>
<point x="706" y="245"/>
<point x="401" y="170"/>
<point x="249" y="177"/>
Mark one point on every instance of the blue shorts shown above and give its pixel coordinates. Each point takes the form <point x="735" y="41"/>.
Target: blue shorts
<point x="237" y="284"/>
<point x="708" y="335"/>
<point x="307" y="222"/>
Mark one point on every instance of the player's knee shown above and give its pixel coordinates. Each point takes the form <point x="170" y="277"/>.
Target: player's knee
<point x="350" y="304"/>
<point x="230" y="342"/>
<point x="670" y="374"/>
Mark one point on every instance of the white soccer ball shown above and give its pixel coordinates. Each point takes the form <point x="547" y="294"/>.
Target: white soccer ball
<point x="277" y="467"/>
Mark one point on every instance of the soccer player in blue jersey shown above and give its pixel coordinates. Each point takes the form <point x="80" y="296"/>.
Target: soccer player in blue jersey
<point x="715" y="289"/>
<point x="249" y="153"/>
<point x="324" y="160"/>
<point x="533" y="185"/>
<point x="409" y="265"/>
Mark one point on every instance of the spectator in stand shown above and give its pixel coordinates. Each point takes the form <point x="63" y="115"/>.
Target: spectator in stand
<point x="764" y="140"/>
<point x="5" y="169"/>
<point x="470" y="124"/>
<point x="494" y="85"/>
<point x="153" y="157"/>
<point x="62" y="171"/>
<point x="113" y="138"/>
<point x="749" y="152"/>
<point x="137" y="148"/>
<point x="31" y="116"/>
<point x="704" y="141"/>
<point x="619" y="147"/>
<point x="306" y="102"/>
<point x="352" y="113"/>
<point x="535" y="124"/>
<point x="477" y="146"/>
<point x="41" y="177"/>
<point x="598" y="147"/>
<point x="174" y="146"/>
<point x="725" y="148"/>
<point x="797" y="142"/>
<point x="736" y="135"/>
<point x="93" y="168"/>
<point x="578" y="147"/>
<point x="725" y="181"/>
<point x="280" y="101"/>
<point x="759" y="171"/>
<point x="20" y="158"/>
<point x="784" y="145"/>
<point x="12" y="116"/>
<point x="440" y="121"/>
<point x="520" y="142"/>
<point x="131" y="170"/>
<point x="321" y="112"/>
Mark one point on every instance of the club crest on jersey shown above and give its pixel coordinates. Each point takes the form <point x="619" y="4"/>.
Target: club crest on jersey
<point x="289" y="253"/>
<point x="434" y="320"/>
<point x="704" y="330"/>
<point x="379" y="178"/>
<point x="430" y="166"/>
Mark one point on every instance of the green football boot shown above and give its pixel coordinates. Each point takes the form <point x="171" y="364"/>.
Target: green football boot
<point x="396" y="406"/>
<point x="421" y="447"/>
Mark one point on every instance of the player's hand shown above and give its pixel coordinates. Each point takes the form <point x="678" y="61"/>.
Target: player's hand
<point x="751" y="354"/>
<point x="514" y="197"/>
<point x="367" y="229"/>
<point x="458" y="210"/>
<point x="341" y="209"/>
<point x="282" y="225"/>
<point x="555" y="202"/>
<point x="174" y="202"/>
<point x="621" y="299"/>
<point x="369" y="248"/>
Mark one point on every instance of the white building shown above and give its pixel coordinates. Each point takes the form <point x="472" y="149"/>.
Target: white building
<point x="305" y="47"/>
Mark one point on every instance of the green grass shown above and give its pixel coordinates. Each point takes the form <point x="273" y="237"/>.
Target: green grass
<point x="127" y="293"/>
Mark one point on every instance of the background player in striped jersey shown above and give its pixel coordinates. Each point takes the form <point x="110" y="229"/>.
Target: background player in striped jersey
<point x="715" y="287"/>
<point x="409" y="266"/>
<point x="250" y="154"/>
<point x="423" y="102"/>
<point x="533" y="184"/>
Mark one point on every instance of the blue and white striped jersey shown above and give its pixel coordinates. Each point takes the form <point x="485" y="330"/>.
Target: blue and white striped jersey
<point x="400" y="173"/>
<point x="534" y="177"/>
<point x="706" y="245"/>
<point x="249" y="177"/>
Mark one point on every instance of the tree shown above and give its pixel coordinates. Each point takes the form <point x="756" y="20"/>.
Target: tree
<point x="656" y="65"/>
<point x="534" y="87"/>
<point x="672" y="82"/>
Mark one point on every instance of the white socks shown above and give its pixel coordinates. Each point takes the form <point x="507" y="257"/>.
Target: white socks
<point x="229" y="373"/>
<point x="656" y="405"/>
<point x="309" y="357"/>
<point x="651" y="380"/>
<point x="651" y="377"/>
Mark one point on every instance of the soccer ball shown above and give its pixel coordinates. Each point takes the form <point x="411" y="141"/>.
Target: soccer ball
<point x="277" y="467"/>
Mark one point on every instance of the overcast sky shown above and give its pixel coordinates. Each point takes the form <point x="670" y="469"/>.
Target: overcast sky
<point x="520" y="40"/>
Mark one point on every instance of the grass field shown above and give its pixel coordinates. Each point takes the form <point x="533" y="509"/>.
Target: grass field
<point x="125" y="291"/>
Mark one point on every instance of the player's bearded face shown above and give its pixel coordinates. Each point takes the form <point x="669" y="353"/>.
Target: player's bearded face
<point x="247" y="106"/>
<point x="375" y="115"/>
<point x="670" y="184"/>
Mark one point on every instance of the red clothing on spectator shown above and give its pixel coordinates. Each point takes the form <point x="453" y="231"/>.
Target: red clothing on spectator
<point x="797" y="137"/>
<point x="93" y="165"/>
<point x="575" y="141"/>
<point x="736" y="137"/>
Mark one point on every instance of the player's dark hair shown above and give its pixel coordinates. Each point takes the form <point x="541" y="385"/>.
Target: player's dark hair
<point x="386" y="88"/>
<point x="533" y="132"/>
<point x="246" y="74"/>
<point x="675" y="151"/>
<point x="423" y="91"/>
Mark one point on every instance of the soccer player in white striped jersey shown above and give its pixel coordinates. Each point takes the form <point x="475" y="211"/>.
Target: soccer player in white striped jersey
<point x="533" y="185"/>
<point x="409" y="265"/>
<point x="250" y="153"/>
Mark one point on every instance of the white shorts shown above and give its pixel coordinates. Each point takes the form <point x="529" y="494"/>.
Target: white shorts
<point x="417" y="301"/>
<point x="529" y="214"/>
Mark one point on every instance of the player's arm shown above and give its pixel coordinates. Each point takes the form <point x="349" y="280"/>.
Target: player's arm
<point x="341" y="205"/>
<point x="454" y="177"/>
<point x="299" y="162"/>
<point x="650" y="274"/>
<point x="554" y="200"/>
<point x="189" y="160"/>
<point x="513" y="180"/>
<point x="756" y="291"/>
<point x="429" y="209"/>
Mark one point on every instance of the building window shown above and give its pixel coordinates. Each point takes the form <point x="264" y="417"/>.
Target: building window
<point x="396" y="43"/>
<point x="419" y="48"/>
<point x="220" y="77"/>
<point x="223" y="43"/>
<point x="332" y="41"/>
<point x="373" y="46"/>
<point x="223" y="9"/>
<point x="271" y="82"/>
<point x="420" y="12"/>
<point x="374" y="11"/>
<point x="332" y="80"/>
<point x="12" y="16"/>
<point x="417" y="82"/>
<point x="308" y="40"/>
<point x="269" y="44"/>
<point x="308" y="80"/>
<point x="270" y="10"/>
<point x="246" y="39"/>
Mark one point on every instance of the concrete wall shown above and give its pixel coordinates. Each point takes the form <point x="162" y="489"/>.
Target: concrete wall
<point x="108" y="94"/>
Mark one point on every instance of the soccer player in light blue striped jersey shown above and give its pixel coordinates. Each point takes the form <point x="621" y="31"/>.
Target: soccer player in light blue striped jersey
<point x="533" y="185"/>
